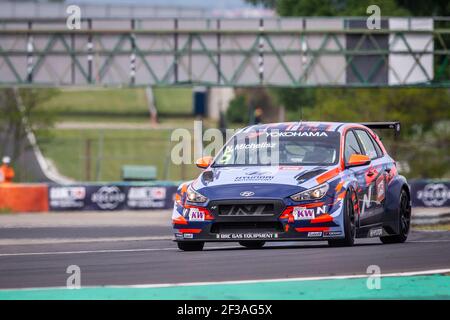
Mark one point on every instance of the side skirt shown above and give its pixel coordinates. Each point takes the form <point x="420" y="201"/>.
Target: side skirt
<point x="371" y="231"/>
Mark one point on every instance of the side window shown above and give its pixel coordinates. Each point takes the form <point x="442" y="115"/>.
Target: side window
<point x="351" y="146"/>
<point x="369" y="148"/>
<point x="377" y="146"/>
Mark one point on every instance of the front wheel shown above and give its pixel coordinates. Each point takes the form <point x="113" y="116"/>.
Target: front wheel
<point x="404" y="221"/>
<point x="349" y="224"/>
<point x="252" y="244"/>
<point x="191" y="246"/>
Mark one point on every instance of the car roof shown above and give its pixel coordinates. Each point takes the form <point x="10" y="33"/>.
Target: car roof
<point x="303" y="126"/>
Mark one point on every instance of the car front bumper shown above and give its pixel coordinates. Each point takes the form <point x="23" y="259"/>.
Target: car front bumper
<point x="243" y="220"/>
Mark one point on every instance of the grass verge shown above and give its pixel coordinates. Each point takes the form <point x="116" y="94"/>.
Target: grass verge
<point x="433" y="227"/>
<point x="98" y="155"/>
<point x="125" y="104"/>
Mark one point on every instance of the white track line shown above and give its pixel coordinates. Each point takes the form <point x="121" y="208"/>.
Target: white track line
<point x="148" y="249"/>
<point x="32" y="241"/>
<point x="185" y="284"/>
<point x="100" y="251"/>
<point x="82" y="252"/>
<point x="396" y="274"/>
<point x="429" y="241"/>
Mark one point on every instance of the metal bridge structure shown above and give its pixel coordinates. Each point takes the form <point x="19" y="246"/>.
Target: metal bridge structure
<point x="288" y="52"/>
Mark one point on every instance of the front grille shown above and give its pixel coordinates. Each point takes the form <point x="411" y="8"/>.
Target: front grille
<point x="254" y="209"/>
<point x="230" y="227"/>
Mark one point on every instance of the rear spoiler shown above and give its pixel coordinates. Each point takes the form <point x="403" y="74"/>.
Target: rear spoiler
<point x="394" y="125"/>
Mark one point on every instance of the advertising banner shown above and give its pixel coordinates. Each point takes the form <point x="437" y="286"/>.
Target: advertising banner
<point x="426" y="193"/>
<point x="111" y="197"/>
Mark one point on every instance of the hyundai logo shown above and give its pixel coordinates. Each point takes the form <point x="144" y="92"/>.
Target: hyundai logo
<point x="246" y="193"/>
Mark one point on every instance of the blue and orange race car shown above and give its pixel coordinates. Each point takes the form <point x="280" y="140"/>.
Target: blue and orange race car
<point x="295" y="181"/>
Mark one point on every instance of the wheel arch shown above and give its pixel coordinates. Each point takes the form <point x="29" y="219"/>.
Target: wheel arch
<point x="408" y="191"/>
<point x="351" y="186"/>
<point x="391" y="213"/>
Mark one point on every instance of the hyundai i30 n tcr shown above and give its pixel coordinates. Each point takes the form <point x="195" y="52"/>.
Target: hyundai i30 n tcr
<point x="295" y="181"/>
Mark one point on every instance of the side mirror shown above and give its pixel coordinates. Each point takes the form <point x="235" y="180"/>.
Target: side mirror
<point x="358" y="160"/>
<point x="204" y="162"/>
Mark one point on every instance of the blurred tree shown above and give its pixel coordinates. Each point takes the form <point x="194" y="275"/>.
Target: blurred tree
<point x="263" y="3"/>
<point x="295" y="100"/>
<point x="426" y="8"/>
<point x="417" y="108"/>
<point x="431" y="152"/>
<point x="237" y="111"/>
<point x="19" y="112"/>
<point x="307" y="8"/>
<point x="355" y="7"/>
<point x="423" y="145"/>
<point x="241" y="109"/>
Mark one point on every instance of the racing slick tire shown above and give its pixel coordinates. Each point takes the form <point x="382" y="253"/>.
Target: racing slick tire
<point x="349" y="224"/>
<point x="252" y="244"/>
<point x="191" y="246"/>
<point x="404" y="221"/>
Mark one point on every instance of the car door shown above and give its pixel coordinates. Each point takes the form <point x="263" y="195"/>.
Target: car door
<point x="353" y="146"/>
<point x="375" y="177"/>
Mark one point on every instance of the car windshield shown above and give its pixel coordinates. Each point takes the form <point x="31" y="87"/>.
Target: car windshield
<point x="280" y="148"/>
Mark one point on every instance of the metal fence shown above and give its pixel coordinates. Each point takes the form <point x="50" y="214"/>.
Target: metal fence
<point x="98" y="155"/>
<point x="294" y="52"/>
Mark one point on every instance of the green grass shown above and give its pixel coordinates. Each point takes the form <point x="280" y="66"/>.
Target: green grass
<point x="122" y="104"/>
<point x="111" y="149"/>
<point x="95" y="104"/>
<point x="433" y="227"/>
<point x="5" y="211"/>
<point x="91" y="155"/>
<point x="173" y="101"/>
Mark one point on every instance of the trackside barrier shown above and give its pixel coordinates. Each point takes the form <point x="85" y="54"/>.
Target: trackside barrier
<point x="112" y="196"/>
<point x="18" y="197"/>
<point x="430" y="193"/>
<point x="431" y="202"/>
<point x="434" y="196"/>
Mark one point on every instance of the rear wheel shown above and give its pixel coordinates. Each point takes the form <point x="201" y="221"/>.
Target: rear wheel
<point x="190" y="246"/>
<point x="349" y="224"/>
<point x="404" y="220"/>
<point x="252" y="244"/>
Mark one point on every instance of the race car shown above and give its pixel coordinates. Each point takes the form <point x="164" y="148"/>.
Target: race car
<point x="295" y="181"/>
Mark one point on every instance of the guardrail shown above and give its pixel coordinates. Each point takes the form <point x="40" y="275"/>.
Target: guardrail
<point x="297" y="52"/>
<point x="430" y="193"/>
<point x="430" y="199"/>
<point x="79" y="197"/>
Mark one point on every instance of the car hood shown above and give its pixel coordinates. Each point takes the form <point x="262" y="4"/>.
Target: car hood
<point x="267" y="179"/>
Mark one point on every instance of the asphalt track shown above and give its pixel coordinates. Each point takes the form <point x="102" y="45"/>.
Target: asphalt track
<point x="134" y="254"/>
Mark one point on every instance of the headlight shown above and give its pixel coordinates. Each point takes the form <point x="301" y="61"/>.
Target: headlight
<point x="311" y="194"/>
<point x="194" y="196"/>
